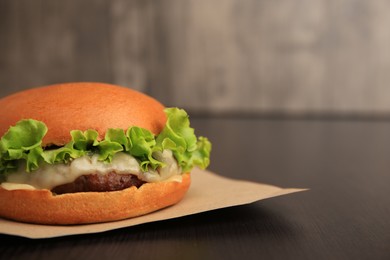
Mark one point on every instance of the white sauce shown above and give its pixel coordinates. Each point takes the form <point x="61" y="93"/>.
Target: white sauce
<point x="49" y="176"/>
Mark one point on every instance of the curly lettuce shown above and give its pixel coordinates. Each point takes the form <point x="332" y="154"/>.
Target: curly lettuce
<point x="23" y="142"/>
<point x="179" y="137"/>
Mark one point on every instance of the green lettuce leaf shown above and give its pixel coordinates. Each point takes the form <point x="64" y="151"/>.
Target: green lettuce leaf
<point x="142" y="143"/>
<point x="62" y="154"/>
<point x="24" y="142"/>
<point x="179" y="137"/>
<point x="84" y="141"/>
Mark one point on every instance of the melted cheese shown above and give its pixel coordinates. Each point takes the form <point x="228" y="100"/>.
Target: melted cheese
<point x="49" y="176"/>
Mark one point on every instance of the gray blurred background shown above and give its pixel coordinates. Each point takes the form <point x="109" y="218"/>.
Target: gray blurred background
<point x="289" y="57"/>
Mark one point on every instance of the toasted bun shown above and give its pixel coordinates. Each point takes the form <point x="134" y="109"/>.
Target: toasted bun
<point x="42" y="207"/>
<point x="82" y="106"/>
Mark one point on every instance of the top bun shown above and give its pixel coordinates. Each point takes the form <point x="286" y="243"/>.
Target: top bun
<point x="82" y="106"/>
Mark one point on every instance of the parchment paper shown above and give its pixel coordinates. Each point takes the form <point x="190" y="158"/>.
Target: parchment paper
<point x="208" y="191"/>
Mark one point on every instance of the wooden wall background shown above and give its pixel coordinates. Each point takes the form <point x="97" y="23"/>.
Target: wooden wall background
<point x="219" y="56"/>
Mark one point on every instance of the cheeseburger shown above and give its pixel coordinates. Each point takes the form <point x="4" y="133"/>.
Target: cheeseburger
<point x="90" y="152"/>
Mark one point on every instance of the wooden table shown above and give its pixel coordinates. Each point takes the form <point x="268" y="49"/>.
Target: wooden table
<point x="344" y="215"/>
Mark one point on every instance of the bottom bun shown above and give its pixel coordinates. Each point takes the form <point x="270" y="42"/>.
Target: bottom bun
<point x="42" y="207"/>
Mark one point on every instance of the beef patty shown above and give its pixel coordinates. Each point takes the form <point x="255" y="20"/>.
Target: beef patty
<point x="99" y="182"/>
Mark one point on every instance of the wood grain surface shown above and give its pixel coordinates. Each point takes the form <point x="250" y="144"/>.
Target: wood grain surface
<point x="255" y="56"/>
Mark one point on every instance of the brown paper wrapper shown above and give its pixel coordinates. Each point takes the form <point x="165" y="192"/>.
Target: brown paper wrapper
<point x="208" y="191"/>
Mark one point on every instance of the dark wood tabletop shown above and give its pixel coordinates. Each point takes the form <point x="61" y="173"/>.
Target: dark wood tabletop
<point x="344" y="215"/>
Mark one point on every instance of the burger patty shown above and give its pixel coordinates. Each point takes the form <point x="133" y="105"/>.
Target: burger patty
<point x="99" y="182"/>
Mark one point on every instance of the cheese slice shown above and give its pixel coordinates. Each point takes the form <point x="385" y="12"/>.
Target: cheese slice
<point x="49" y="176"/>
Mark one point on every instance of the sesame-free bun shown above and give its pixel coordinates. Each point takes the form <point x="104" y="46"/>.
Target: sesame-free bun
<point x="81" y="106"/>
<point x="42" y="207"/>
